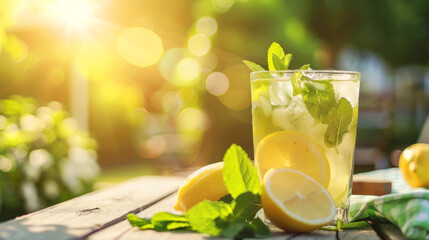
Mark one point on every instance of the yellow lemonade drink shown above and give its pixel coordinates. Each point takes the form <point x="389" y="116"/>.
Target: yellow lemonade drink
<point x="307" y="120"/>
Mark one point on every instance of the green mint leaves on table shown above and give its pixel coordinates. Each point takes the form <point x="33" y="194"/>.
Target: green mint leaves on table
<point x="232" y="216"/>
<point x="318" y="96"/>
<point x="239" y="174"/>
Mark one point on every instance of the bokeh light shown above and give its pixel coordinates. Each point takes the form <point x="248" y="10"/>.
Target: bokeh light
<point x="238" y="95"/>
<point x="217" y="83"/>
<point x="153" y="147"/>
<point x="222" y="5"/>
<point x="206" y="25"/>
<point x="140" y="46"/>
<point x="208" y="62"/>
<point x="191" y="119"/>
<point x="199" y="45"/>
<point x="188" y="71"/>
<point x="168" y="62"/>
<point x="17" y="49"/>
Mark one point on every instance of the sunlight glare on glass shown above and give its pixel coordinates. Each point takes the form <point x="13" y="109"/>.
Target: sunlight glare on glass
<point x="140" y="46"/>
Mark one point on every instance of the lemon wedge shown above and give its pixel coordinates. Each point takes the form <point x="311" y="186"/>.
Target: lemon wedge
<point x="293" y="201"/>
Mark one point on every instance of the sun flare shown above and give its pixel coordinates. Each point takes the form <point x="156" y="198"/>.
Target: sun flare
<point x="74" y="16"/>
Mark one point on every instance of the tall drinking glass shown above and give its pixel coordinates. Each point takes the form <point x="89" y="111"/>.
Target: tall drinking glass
<point x="318" y="107"/>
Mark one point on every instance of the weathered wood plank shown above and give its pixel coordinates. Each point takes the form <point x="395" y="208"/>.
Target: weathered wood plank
<point x="355" y="234"/>
<point x="83" y="215"/>
<point x="123" y="230"/>
<point x="388" y="231"/>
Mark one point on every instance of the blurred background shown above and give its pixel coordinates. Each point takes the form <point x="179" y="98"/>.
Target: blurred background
<point x="99" y="91"/>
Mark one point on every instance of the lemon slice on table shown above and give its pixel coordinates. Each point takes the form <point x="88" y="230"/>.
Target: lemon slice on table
<point x="295" y="202"/>
<point x="204" y="184"/>
<point x="294" y="150"/>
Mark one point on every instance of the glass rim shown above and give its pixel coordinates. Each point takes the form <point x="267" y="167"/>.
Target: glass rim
<point x="312" y="71"/>
<point x="283" y="74"/>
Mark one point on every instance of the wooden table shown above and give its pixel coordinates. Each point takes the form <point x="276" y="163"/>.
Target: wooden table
<point x="100" y="215"/>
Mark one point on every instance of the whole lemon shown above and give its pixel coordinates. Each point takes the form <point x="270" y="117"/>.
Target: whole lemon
<point x="204" y="184"/>
<point x="414" y="165"/>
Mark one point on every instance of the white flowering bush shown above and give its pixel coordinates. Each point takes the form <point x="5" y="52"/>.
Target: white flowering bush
<point x="44" y="157"/>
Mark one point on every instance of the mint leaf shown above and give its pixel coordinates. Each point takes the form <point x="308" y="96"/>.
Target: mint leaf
<point x="319" y="98"/>
<point x="230" y="227"/>
<point x="354" y="225"/>
<point x="141" y="223"/>
<point x="258" y="228"/>
<point x="278" y="63"/>
<point x="296" y="79"/>
<point x="161" y="221"/>
<point x="274" y="50"/>
<point x="253" y="66"/>
<point x="245" y="208"/>
<point x="166" y="216"/>
<point x="286" y="59"/>
<point x="338" y="121"/>
<point x="202" y="216"/>
<point x="227" y="198"/>
<point x="239" y="173"/>
<point x="247" y="205"/>
<point x="178" y="225"/>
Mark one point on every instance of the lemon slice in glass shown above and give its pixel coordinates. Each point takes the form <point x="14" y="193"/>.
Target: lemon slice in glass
<point x="294" y="150"/>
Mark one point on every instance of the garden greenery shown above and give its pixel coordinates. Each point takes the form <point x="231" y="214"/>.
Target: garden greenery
<point x="44" y="157"/>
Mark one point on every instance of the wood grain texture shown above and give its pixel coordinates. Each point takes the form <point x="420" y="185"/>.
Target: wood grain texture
<point x="83" y="215"/>
<point x="355" y="234"/>
<point x="124" y="230"/>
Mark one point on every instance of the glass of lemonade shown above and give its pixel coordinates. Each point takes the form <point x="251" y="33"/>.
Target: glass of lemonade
<point x="318" y="105"/>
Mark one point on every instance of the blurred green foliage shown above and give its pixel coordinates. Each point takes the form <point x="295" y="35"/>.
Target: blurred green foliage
<point x="44" y="157"/>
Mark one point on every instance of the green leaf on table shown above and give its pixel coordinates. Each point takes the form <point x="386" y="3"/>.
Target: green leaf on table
<point x="246" y="205"/>
<point x="338" y="122"/>
<point x="239" y="173"/>
<point x="355" y="225"/>
<point x="258" y="228"/>
<point x="202" y="216"/>
<point x="141" y="223"/>
<point x="253" y="66"/>
<point x="168" y="217"/>
<point x="230" y="226"/>
<point x="319" y="98"/>
<point x="178" y="225"/>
